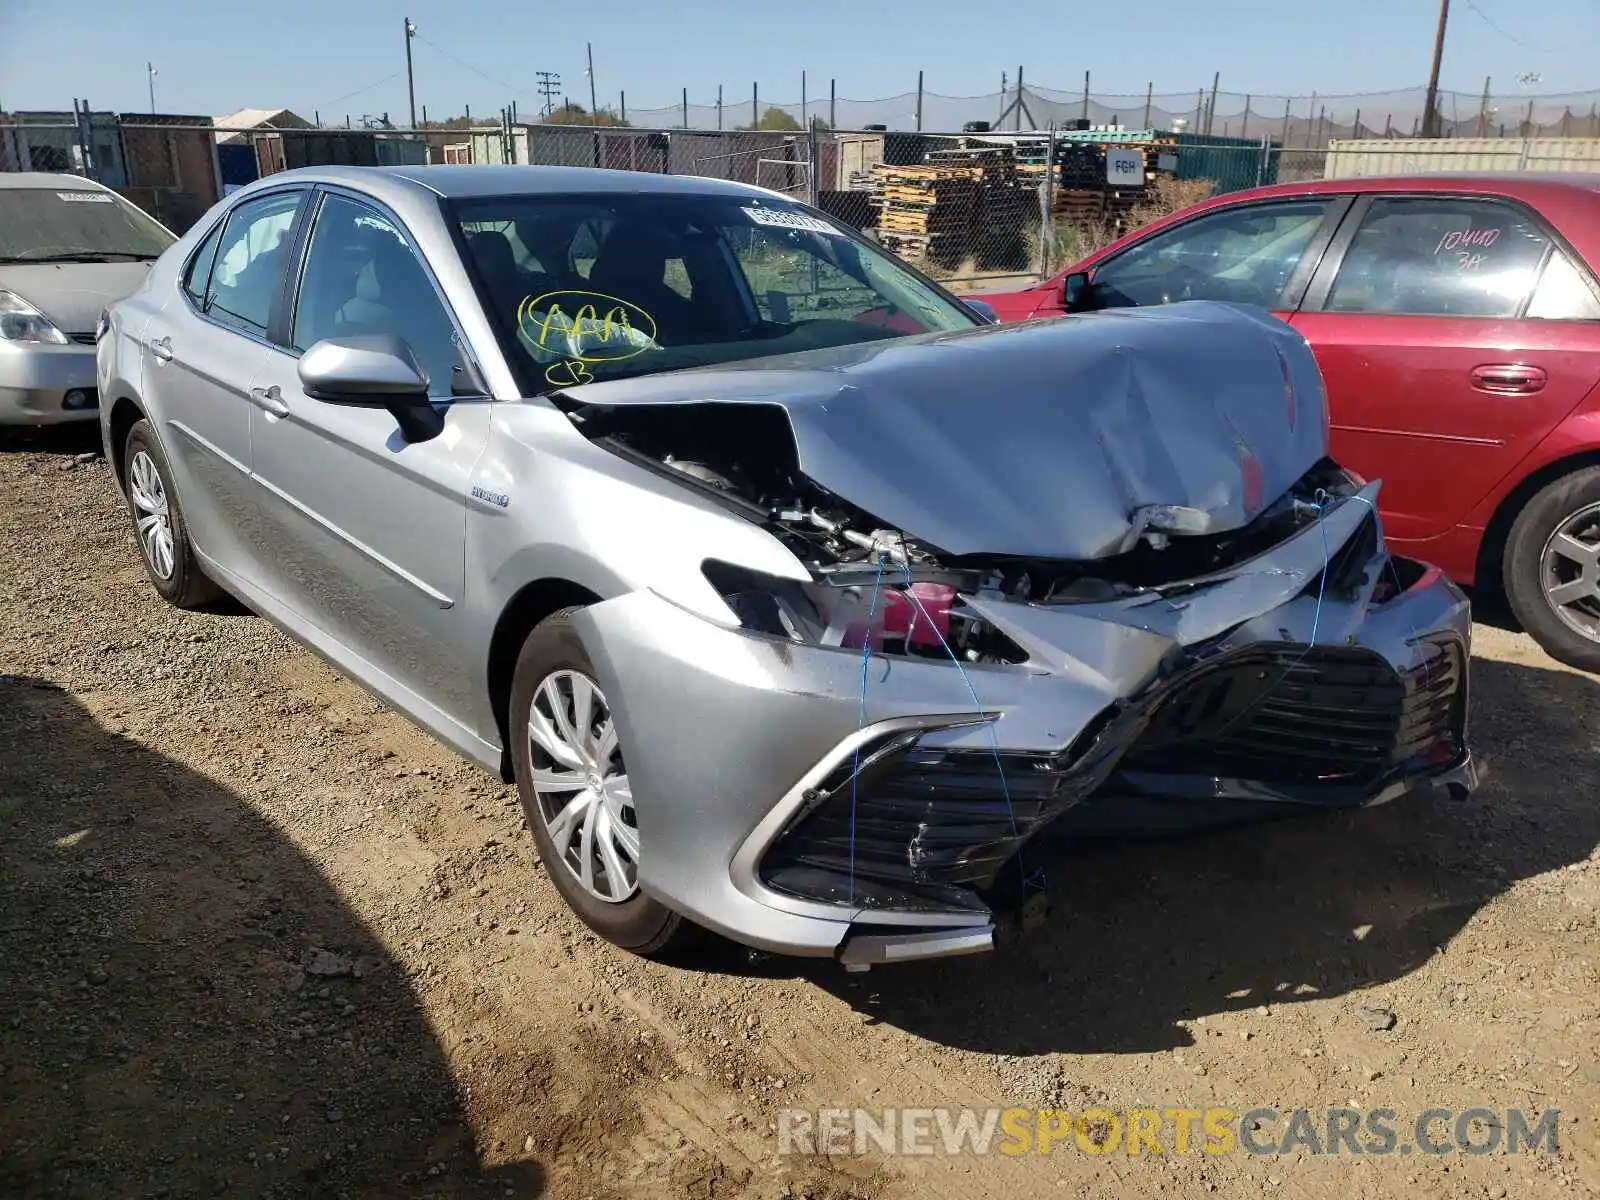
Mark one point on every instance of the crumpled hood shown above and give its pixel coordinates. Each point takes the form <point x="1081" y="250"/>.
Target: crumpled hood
<point x="1041" y="439"/>
<point x="72" y="294"/>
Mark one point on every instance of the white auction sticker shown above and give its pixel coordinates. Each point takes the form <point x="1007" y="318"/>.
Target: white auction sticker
<point x="780" y="218"/>
<point x="86" y="197"/>
<point x="1124" y="168"/>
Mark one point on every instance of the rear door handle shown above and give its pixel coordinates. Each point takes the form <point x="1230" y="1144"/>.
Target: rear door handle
<point x="161" y="349"/>
<point x="270" y="400"/>
<point x="1509" y="379"/>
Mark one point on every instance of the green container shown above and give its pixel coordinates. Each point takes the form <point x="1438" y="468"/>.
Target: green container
<point x="1233" y="164"/>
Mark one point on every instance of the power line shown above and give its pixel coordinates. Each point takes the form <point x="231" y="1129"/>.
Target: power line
<point x="1510" y="37"/>
<point x="514" y="90"/>
<point x="375" y="84"/>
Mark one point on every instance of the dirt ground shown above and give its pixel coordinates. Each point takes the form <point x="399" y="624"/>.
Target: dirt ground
<point x="260" y="937"/>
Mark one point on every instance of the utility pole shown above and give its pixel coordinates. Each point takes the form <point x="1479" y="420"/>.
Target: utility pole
<point x="411" y="85"/>
<point x="549" y="86"/>
<point x="150" y="72"/>
<point x="1430" y="107"/>
<point x="590" y="72"/>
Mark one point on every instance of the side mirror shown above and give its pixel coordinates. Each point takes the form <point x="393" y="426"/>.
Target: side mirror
<point x="1075" y="292"/>
<point x="985" y="310"/>
<point x="376" y="370"/>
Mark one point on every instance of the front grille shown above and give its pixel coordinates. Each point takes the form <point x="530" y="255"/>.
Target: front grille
<point x="1302" y="715"/>
<point x="929" y="825"/>
<point x="83" y="339"/>
<point x="1328" y="724"/>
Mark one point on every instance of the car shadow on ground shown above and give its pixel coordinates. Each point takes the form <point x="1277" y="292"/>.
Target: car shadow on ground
<point x="1142" y="935"/>
<point x="75" y="437"/>
<point x="187" y="1007"/>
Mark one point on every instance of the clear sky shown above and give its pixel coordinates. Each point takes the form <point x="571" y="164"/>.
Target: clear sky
<point x="347" y="56"/>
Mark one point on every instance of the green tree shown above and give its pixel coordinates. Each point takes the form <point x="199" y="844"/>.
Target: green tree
<point x="576" y="114"/>
<point x="776" y="120"/>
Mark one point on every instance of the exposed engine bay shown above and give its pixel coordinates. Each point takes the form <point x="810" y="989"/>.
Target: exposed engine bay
<point x="746" y="456"/>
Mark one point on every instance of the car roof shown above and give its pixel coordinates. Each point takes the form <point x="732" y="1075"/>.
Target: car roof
<point x="468" y="182"/>
<point x="47" y="179"/>
<point x="1527" y="184"/>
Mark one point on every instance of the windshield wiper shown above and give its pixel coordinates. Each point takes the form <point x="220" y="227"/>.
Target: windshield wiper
<point x="81" y="256"/>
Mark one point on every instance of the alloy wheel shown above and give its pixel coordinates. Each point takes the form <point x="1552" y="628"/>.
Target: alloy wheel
<point x="153" y="516"/>
<point x="581" y="784"/>
<point x="1569" y="571"/>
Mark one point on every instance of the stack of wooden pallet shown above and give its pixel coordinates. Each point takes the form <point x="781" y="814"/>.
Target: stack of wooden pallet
<point x="927" y="210"/>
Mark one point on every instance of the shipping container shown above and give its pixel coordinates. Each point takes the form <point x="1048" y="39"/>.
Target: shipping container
<point x="1350" y="158"/>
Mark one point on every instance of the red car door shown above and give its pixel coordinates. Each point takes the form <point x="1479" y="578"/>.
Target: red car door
<point x="1441" y="373"/>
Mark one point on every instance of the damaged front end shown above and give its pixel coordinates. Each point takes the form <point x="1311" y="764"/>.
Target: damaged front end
<point x="892" y="728"/>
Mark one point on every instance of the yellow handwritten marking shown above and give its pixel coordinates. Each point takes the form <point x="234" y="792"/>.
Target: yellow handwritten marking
<point x="568" y="373"/>
<point x="587" y="322"/>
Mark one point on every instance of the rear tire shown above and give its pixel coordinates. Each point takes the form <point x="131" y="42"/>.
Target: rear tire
<point x="158" y="524"/>
<point x="1551" y="569"/>
<point x="577" y="791"/>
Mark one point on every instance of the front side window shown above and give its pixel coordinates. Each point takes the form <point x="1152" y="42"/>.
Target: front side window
<point x="75" y="224"/>
<point x="363" y="277"/>
<point x="1245" y="255"/>
<point x="250" y="259"/>
<point x="605" y="287"/>
<point x="1447" y="256"/>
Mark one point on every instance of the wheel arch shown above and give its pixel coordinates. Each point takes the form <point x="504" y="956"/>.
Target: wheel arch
<point x="1497" y="533"/>
<point x="126" y="412"/>
<point x="532" y="603"/>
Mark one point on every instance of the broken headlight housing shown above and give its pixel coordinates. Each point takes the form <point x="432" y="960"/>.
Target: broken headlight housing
<point x="894" y="614"/>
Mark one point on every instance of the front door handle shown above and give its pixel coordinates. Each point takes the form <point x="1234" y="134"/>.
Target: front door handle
<point x="1509" y="379"/>
<point x="161" y="349"/>
<point x="270" y="400"/>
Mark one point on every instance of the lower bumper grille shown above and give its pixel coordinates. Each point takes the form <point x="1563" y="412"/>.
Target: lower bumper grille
<point x="1328" y="724"/>
<point x="1299" y="715"/>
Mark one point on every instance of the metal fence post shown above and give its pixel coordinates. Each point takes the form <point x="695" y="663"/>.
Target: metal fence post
<point x="814" y="197"/>
<point x="919" y="101"/>
<point x="833" y="101"/>
<point x="1047" y="200"/>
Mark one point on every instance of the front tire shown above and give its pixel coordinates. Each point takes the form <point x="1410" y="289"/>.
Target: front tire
<point x="572" y="781"/>
<point x="1551" y="571"/>
<point x="158" y="524"/>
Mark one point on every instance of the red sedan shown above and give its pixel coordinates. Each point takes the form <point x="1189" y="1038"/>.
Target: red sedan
<point x="1457" y="323"/>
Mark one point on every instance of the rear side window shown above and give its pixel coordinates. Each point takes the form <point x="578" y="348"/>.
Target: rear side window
<point x="1564" y="293"/>
<point x="199" y="273"/>
<point x="1447" y="256"/>
<point x="247" y="274"/>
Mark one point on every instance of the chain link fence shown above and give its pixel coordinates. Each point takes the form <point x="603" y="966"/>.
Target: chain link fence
<point x="984" y="208"/>
<point x="1306" y="120"/>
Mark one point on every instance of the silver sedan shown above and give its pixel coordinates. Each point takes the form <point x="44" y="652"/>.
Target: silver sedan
<point x="68" y="248"/>
<point x="793" y="595"/>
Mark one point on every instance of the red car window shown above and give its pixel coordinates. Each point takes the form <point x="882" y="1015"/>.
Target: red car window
<point x="1439" y="256"/>
<point x="1246" y="254"/>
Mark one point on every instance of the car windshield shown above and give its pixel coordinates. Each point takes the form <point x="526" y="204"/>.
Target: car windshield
<point x="74" y="224"/>
<point x="597" y="288"/>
